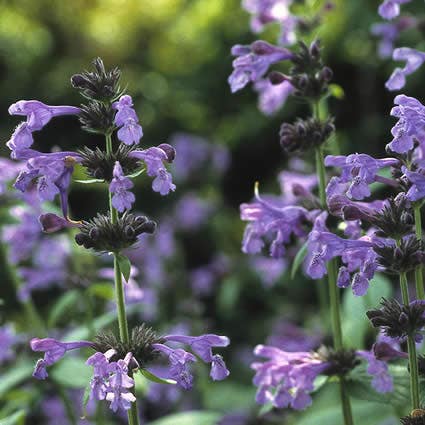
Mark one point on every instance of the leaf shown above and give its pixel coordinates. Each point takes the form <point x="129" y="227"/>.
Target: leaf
<point x="189" y="418"/>
<point x="15" y="375"/>
<point x="228" y="396"/>
<point x="18" y="418"/>
<point x="151" y="377"/>
<point x="102" y="290"/>
<point x="90" y="181"/>
<point x="137" y="173"/>
<point x="355" y="324"/>
<point x="125" y="265"/>
<point x="62" y="306"/>
<point x="299" y="258"/>
<point x="71" y="372"/>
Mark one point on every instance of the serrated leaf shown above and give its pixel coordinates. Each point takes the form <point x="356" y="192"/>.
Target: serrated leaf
<point x="17" y="418"/>
<point x="71" y="372"/>
<point x="90" y="181"/>
<point x="189" y="418"/>
<point x="62" y="306"/>
<point x="125" y="265"/>
<point x="299" y="258"/>
<point x="153" y="378"/>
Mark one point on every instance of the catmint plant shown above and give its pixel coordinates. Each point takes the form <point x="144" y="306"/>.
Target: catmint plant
<point x="110" y="112"/>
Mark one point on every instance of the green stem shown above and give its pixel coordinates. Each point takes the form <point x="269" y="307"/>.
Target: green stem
<point x="419" y="280"/>
<point x="333" y="294"/>
<point x="132" y="414"/>
<point x="411" y="347"/>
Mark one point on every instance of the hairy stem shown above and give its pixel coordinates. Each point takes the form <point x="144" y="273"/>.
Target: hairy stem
<point x="133" y="417"/>
<point x="419" y="280"/>
<point x="411" y="347"/>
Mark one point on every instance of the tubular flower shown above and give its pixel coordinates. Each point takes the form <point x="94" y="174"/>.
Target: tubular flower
<point x="130" y="131"/>
<point x="286" y="378"/>
<point x="360" y="170"/>
<point x="390" y="9"/>
<point x="413" y="58"/>
<point x="410" y="125"/>
<point x="122" y="198"/>
<point x="253" y="61"/>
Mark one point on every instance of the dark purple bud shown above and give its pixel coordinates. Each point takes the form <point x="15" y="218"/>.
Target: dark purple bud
<point x="78" y="80"/>
<point x="403" y="318"/>
<point x="326" y="74"/>
<point x="129" y="232"/>
<point x="148" y="227"/>
<point x="169" y="151"/>
<point x="277" y="78"/>
<point x="141" y="219"/>
<point x="302" y="81"/>
<point x="261" y="47"/>
<point x="94" y="233"/>
<point x="80" y="239"/>
<point x="315" y="49"/>
<point x="51" y="223"/>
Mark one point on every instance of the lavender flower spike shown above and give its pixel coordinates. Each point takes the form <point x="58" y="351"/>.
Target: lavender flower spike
<point x="390" y="9"/>
<point x="253" y="61"/>
<point x="39" y="114"/>
<point x="54" y="350"/>
<point x="122" y="198"/>
<point x="130" y="131"/>
<point x="413" y="58"/>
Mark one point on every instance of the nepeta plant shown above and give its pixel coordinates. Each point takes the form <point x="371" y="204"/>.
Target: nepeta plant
<point x="110" y="112"/>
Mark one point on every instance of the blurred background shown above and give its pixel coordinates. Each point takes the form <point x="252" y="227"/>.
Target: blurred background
<point x="175" y="60"/>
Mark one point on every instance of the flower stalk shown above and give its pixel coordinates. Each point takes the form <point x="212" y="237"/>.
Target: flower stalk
<point x="132" y="413"/>
<point x="411" y="347"/>
<point x="420" y="291"/>
<point x="333" y="290"/>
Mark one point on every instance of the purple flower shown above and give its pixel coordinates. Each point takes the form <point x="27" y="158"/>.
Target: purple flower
<point x="219" y="370"/>
<point x="122" y="198"/>
<point x="154" y="159"/>
<point x="53" y="173"/>
<point x="270" y="218"/>
<point x="201" y="345"/>
<point x="382" y="381"/>
<point x="7" y="340"/>
<point x="390" y="9"/>
<point x="53" y="350"/>
<point x="272" y="96"/>
<point x="389" y="32"/>
<point x="295" y="185"/>
<point x="100" y="363"/>
<point x="179" y="364"/>
<point x="191" y="212"/>
<point x="410" y="125"/>
<point x="39" y="114"/>
<point x="269" y="269"/>
<point x="417" y="179"/>
<point x="359" y="170"/>
<point x="413" y="58"/>
<point x="253" y="61"/>
<point x="130" y="131"/>
<point x="324" y="245"/>
<point x="267" y="11"/>
<point x="118" y="392"/>
<point x="286" y="378"/>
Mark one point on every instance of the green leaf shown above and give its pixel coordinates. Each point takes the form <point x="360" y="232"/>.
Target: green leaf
<point x="228" y="396"/>
<point x="90" y="181"/>
<point x="137" y="173"/>
<point x="151" y="377"/>
<point x="104" y="290"/>
<point x="15" y="375"/>
<point x="336" y="91"/>
<point x="72" y="372"/>
<point x="18" y="418"/>
<point x="189" y="418"/>
<point x="299" y="258"/>
<point x="125" y="265"/>
<point x="62" y="306"/>
<point x="355" y="324"/>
